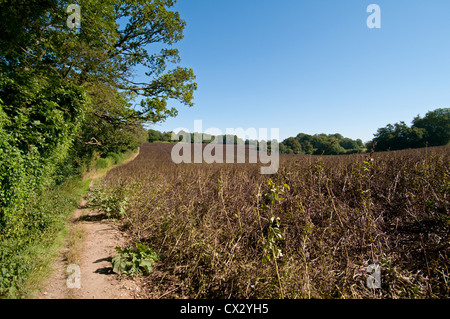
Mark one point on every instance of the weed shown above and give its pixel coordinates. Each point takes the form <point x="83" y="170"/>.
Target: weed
<point x="271" y="251"/>
<point x="112" y="201"/>
<point x="133" y="262"/>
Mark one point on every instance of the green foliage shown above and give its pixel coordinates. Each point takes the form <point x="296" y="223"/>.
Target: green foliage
<point x="271" y="250"/>
<point x="320" y="144"/>
<point x="35" y="143"/>
<point x="116" y="158"/>
<point x="431" y="130"/>
<point x="112" y="201"/>
<point x="292" y="146"/>
<point x="25" y="241"/>
<point x="269" y="198"/>
<point x="41" y="58"/>
<point x="67" y="96"/>
<point x="156" y="136"/>
<point x="435" y="126"/>
<point x="134" y="262"/>
<point x="103" y="163"/>
<point x="274" y="233"/>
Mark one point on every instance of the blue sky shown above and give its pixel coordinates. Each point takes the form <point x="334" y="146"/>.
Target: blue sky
<point x="313" y="66"/>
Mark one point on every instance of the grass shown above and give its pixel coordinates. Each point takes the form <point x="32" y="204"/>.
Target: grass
<point x="75" y="244"/>
<point x="214" y="224"/>
<point x="41" y="253"/>
<point x="103" y="165"/>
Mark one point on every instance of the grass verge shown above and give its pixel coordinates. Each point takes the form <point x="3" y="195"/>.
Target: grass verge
<point x="36" y="258"/>
<point x="34" y="262"/>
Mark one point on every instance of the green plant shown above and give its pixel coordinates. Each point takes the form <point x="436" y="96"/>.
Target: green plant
<point x="115" y="158"/>
<point x="274" y="234"/>
<point x="133" y="262"/>
<point x="271" y="250"/>
<point x="104" y="162"/>
<point x="26" y="256"/>
<point x="112" y="201"/>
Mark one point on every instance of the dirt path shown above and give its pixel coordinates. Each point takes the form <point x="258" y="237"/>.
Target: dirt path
<point x="96" y="279"/>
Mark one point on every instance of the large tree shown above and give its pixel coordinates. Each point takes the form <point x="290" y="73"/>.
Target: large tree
<point x="68" y="93"/>
<point x="432" y="130"/>
<point x="436" y="125"/>
<point x="123" y="54"/>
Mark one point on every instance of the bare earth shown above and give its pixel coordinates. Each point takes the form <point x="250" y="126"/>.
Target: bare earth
<point x="96" y="276"/>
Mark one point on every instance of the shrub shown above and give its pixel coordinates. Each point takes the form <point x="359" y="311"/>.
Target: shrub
<point x="116" y="158"/>
<point x="103" y="163"/>
<point x="112" y="201"/>
<point x="133" y="262"/>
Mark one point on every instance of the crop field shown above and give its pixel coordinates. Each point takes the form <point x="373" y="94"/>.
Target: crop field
<point x="312" y="230"/>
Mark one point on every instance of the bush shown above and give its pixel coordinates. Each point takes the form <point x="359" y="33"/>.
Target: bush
<point x="132" y="262"/>
<point x="103" y="163"/>
<point x="24" y="248"/>
<point x="112" y="201"/>
<point x="116" y="158"/>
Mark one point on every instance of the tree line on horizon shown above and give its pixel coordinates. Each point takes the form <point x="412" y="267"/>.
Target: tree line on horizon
<point x="301" y="144"/>
<point x="431" y="130"/>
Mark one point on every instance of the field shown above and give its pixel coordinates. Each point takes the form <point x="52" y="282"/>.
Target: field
<point x="311" y="230"/>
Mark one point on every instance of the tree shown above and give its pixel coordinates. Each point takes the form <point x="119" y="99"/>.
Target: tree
<point x="115" y="39"/>
<point x="282" y="148"/>
<point x="154" y="136"/>
<point x="66" y="94"/>
<point x="128" y="47"/>
<point x="435" y="127"/>
<point x="432" y="130"/>
<point x="330" y="147"/>
<point x="348" y="143"/>
<point x="395" y="137"/>
<point x="359" y="142"/>
<point x="320" y="144"/>
<point x="307" y="147"/>
<point x="293" y="144"/>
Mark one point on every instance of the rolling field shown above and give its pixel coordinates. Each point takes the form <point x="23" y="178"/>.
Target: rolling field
<point x="311" y="230"/>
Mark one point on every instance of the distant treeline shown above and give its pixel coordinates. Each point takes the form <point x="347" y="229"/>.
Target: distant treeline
<point x="301" y="144"/>
<point x="431" y="130"/>
<point x="331" y="144"/>
<point x="166" y="137"/>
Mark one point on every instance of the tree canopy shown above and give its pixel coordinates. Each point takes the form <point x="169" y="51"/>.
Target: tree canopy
<point x="431" y="130"/>
<point x="53" y="75"/>
<point x="321" y="144"/>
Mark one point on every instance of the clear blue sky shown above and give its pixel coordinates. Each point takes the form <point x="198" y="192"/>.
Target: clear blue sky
<point x="313" y="66"/>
